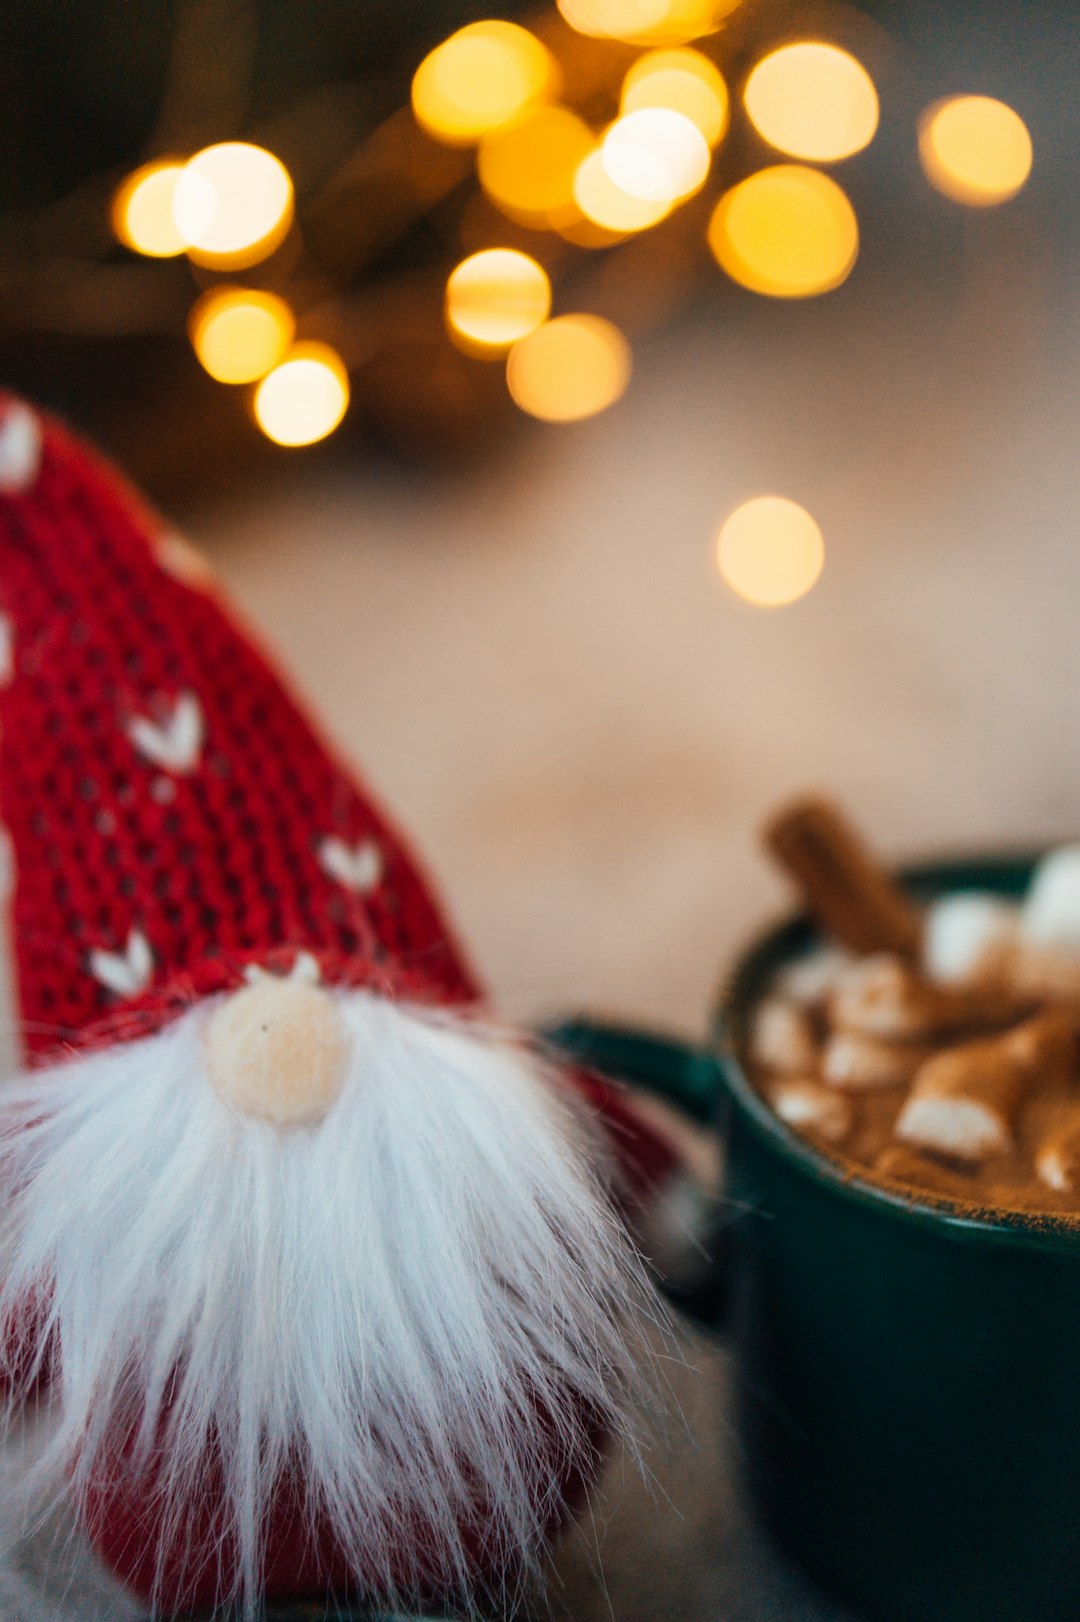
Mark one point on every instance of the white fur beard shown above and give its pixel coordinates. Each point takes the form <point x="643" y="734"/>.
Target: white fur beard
<point x="424" y="1303"/>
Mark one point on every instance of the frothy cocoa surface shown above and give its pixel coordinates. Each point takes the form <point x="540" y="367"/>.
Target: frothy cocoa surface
<point x="1006" y="1126"/>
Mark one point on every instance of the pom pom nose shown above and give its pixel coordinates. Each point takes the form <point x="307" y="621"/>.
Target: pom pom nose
<point x="278" y="1050"/>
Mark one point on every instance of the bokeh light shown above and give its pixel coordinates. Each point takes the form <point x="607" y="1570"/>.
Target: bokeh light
<point x="479" y="79"/>
<point x="646" y="22"/>
<point x="495" y="297"/>
<point x="656" y="154"/>
<point x="685" y="20"/>
<point x="787" y="231"/>
<point x="528" y="168"/>
<point x="683" y="81"/>
<point x="813" y="101"/>
<point x="233" y="204"/>
<point x="571" y="367"/>
<point x="304" y="398"/>
<point x="613" y="19"/>
<point x="239" y="333"/>
<point x="770" y="551"/>
<point x="975" y="150"/>
<point x="142" y="211"/>
<point x="607" y="205"/>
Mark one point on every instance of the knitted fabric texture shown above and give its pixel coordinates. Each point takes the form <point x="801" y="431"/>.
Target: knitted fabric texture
<point x="174" y="817"/>
<point x="339" y="1390"/>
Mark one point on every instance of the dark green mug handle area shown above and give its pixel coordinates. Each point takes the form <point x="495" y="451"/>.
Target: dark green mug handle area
<point x="685" y="1077"/>
<point x="689" y="1079"/>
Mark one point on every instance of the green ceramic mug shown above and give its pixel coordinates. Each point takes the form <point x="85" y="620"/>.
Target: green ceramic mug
<point x="908" y="1380"/>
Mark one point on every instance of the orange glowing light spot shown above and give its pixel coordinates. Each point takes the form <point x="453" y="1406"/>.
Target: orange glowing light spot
<point x="656" y="154"/>
<point x="304" y="398"/>
<point x="240" y="333"/>
<point x="685" y="20"/>
<point x="495" y="297"/>
<point x="233" y="204"/>
<point x="788" y="232"/>
<point x="142" y="211"/>
<point x="585" y="233"/>
<point x="683" y="81"/>
<point x="646" y="22"/>
<point x="569" y="368"/>
<point x="606" y="205"/>
<point x="613" y="19"/>
<point x="479" y="79"/>
<point x="975" y="150"/>
<point x="812" y="100"/>
<point x="528" y="168"/>
<point x="770" y="551"/>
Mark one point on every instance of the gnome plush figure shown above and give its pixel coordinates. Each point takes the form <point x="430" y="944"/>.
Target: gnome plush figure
<point x="326" y="1273"/>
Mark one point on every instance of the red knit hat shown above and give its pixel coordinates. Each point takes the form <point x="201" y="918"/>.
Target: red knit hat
<point x="175" y="819"/>
<point x="271" y="1381"/>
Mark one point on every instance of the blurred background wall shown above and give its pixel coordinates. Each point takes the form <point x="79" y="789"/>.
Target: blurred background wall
<point x="519" y="626"/>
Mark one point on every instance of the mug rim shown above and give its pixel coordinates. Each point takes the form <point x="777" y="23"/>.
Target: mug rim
<point x="793" y="935"/>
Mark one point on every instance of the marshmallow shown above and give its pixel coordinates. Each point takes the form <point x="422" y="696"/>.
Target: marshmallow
<point x="1057" y="1160"/>
<point x="876" y="996"/>
<point x="782" y="1037"/>
<point x="960" y="1110"/>
<point x="964" y="1100"/>
<point x="1051" y="914"/>
<point x="967" y="934"/>
<point x="810" y="979"/>
<point x="881" y="996"/>
<point x="810" y="1107"/>
<point x="855" y="1063"/>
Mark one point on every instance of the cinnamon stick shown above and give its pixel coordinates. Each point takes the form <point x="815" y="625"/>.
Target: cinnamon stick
<point x="842" y="883"/>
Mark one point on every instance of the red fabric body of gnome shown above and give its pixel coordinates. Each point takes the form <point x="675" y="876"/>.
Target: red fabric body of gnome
<point x="175" y="820"/>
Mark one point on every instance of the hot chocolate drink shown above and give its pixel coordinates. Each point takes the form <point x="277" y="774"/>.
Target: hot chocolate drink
<point x="931" y="1050"/>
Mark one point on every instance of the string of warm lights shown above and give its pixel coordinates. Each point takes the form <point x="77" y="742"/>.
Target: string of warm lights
<point x="547" y="160"/>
